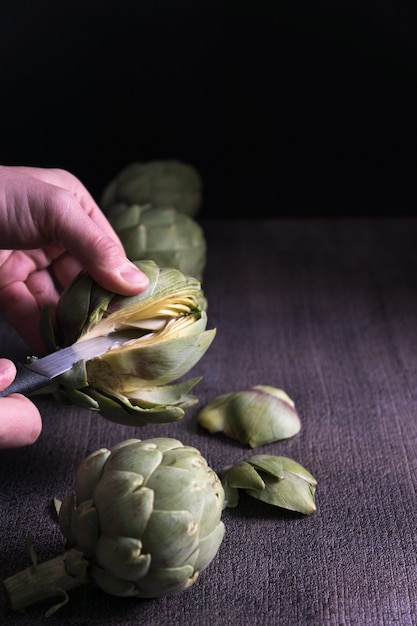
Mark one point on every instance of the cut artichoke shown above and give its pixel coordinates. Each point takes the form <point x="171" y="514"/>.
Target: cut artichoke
<point x="255" y="416"/>
<point x="160" y="183"/>
<point x="163" y="234"/>
<point x="276" y="480"/>
<point x="131" y="384"/>
<point x="144" y="521"/>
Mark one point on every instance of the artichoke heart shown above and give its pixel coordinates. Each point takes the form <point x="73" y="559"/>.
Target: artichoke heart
<point x="166" y="335"/>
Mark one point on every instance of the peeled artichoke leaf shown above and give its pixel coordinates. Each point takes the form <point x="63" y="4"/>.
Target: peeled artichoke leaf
<point x="289" y="465"/>
<point x="118" y="409"/>
<point x="243" y="476"/>
<point x="267" y="463"/>
<point x="291" y="493"/>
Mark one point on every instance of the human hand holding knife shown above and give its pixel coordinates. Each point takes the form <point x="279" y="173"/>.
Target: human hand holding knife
<point x="41" y="372"/>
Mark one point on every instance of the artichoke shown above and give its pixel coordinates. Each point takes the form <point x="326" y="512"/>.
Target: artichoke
<point x="256" y="416"/>
<point x="276" y="480"/>
<point x="160" y="183"/>
<point x="166" y="331"/>
<point x="163" y="234"/>
<point x="145" y="520"/>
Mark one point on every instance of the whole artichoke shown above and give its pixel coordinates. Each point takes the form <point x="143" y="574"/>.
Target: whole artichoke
<point x="163" y="234"/>
<point x="145" y="520"/>
<point x="160" y="183"/>
<point x="166" y="331"/>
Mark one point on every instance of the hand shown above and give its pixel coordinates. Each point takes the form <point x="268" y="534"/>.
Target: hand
<point x="50" y="228"/>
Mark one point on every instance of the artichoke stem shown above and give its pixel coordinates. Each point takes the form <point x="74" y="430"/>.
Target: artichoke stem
<point x="50" y="579"/>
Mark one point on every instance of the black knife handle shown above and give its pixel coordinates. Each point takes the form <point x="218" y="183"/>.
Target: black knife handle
<point x="26" y="381"/>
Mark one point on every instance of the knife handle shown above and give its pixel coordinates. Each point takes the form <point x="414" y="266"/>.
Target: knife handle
<point x="26" y="381"/>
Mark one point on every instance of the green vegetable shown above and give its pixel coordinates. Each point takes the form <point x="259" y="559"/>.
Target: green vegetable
<point x="145" y="520"/>
<point x="131" y="384"/>
<point x="276" y="480"/>
<point x="168" y="237"/>
<point x="160" y="183"/>
<point x="255" y="416"/>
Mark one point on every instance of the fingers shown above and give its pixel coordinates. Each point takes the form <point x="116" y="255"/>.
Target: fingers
<point x="22" y="311"/>
<point x="20" y="420"/>
<point x="55" y="208"/>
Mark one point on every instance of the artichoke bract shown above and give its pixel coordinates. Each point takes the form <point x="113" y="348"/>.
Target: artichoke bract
<point x="256" y="416"/>
<point x="144" y="520"/>
<point x="160" y="183"/>
<point x="137" y="382"/>
<point x="163" y="234"/>
<point x="276" y="480"/>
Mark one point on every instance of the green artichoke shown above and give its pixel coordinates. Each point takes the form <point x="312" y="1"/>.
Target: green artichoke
<point x="144" y="521"/>
<point x="276" y="480"/>
<point x="256" y="416"/>
<point x="166" y="328"/>
<point x="168" y="237"/>
<point x="160" y="183"/>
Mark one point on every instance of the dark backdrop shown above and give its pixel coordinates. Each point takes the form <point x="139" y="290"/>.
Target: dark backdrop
<point x="285" y="108"/>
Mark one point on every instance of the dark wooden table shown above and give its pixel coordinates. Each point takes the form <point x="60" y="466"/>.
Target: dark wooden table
<point x="327" y="311"/>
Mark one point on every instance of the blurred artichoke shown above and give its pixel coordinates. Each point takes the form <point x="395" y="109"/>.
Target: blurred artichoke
<point x="168" y="237"/>
<point x="256" y="416"/>
<point x="160" y="183"/>
<point x="144" y="521"/>
<point x="166" y="328"/>
<point x="276" y="480"/>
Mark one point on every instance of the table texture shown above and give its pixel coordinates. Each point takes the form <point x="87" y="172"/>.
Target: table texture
<point x="325" y="309"/>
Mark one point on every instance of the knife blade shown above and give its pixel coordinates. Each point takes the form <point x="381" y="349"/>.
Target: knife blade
<point x="40" y="372"/>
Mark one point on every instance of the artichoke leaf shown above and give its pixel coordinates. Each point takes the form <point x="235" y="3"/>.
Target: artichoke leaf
<point x="85" y="527"/>
<point x="172" y="537"/>
<point x="243" y="476"/>
<point x="135" y="503"/>
<point x="290" y="493"/>
<point x="286" y="483"/>
<point x="256" y="416"/>
<point x="88" y="474"/>
<point x="209" y="546"/>
<point x="122" y="557"/>
<point x="111" y="584"/>
<point x="166" y="581"/>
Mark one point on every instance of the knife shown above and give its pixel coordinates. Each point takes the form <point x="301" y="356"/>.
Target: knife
<point x="40" y="372"/>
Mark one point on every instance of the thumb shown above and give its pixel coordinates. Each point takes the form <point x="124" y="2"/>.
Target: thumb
<point x="20" y="420"/>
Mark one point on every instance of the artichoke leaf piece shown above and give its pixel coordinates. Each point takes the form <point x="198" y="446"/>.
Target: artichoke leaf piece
<point x="286" y="483"/>
<point x="147" y="528"/>
<point x="166" y="331"/>
<point x="256" y="416"/>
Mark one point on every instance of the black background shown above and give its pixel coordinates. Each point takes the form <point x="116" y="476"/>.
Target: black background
<point x="285" y="108"/>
